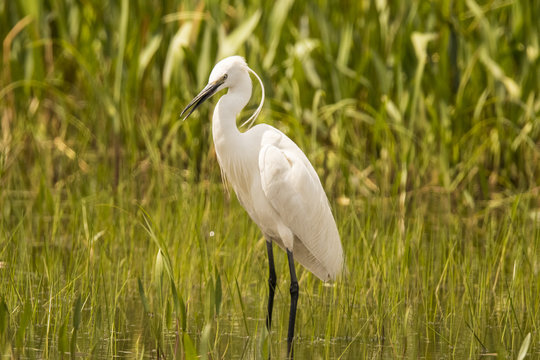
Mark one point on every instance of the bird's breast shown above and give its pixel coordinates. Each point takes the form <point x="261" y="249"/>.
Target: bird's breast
<point x="240" y="165"/>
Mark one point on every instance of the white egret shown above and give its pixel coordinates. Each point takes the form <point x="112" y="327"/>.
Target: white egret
<point x="274" y="181"/>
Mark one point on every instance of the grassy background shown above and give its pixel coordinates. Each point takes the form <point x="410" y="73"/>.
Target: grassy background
<point x="116" y="235"/>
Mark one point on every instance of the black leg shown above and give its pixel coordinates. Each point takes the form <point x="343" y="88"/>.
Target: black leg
<point x="294" y="301"/>
<point x="271" y="284"/>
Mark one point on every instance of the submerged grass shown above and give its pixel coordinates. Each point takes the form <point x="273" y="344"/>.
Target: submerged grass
<point x="188" y="279"/>
<point x="118" y="239"/>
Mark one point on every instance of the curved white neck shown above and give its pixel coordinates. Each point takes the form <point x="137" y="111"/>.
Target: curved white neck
<point x="227" y="109"/>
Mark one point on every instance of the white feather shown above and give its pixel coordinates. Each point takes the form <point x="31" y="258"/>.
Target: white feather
<point x="293" y="188"/>
<point x="274" y="180"/>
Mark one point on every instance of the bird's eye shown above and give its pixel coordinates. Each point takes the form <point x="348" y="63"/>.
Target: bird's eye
<point x="225" y="77"/>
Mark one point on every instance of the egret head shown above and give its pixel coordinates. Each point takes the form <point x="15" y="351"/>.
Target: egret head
<point x="231" y="68"/>
<point x="225" y="74"/>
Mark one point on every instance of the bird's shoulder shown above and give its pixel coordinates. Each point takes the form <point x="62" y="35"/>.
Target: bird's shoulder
<point x="280" y="157"/>
<point x="270" y="136"/>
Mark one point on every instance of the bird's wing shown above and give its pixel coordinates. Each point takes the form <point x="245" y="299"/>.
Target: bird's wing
<point x="293" y="188"/>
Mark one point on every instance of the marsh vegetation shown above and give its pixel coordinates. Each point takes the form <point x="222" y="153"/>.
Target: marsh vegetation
<point x="118" y="238"/>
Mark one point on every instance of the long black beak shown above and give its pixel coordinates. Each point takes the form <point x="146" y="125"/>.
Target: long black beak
<point x="205" y="94"/>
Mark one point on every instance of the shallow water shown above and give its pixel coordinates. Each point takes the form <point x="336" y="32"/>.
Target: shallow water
<point x="359" y="337"/>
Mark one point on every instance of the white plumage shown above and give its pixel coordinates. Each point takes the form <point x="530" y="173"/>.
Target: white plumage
<point x="274" y="181"/>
